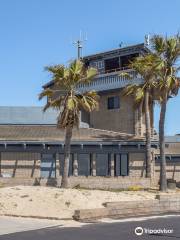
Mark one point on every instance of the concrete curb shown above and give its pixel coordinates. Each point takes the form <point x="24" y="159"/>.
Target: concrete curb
<point x="37" y="217"/>
<point x="163" y="204"/>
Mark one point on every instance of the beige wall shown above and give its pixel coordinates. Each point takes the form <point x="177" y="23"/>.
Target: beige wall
<point x="121" y="119"/>
<point x="20" y="164"/>
<point x="137" y="165"/>
<point x="172" y="168"/>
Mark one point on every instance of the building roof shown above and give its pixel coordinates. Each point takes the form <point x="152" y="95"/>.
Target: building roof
<point x="27" y="115"/>
<point x="51" y="133"/>
<point x="172" y="139"/>
<point x="119" y="51"/>
<point x="136" y="47"/>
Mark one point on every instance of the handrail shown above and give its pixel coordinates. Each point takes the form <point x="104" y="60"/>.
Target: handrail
<point x="110" y="81"/>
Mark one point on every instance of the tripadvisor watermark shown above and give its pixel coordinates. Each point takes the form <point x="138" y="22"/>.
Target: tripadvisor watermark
<point x="140" y="231"/>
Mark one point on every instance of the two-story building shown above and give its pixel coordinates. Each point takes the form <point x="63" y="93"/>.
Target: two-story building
<point x="108" y="151"/>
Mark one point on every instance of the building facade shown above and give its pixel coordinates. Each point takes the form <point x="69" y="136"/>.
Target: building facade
<point x="108" y="151"/>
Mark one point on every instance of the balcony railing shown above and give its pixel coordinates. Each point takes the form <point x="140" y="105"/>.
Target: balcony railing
<point x="111" y="81"/>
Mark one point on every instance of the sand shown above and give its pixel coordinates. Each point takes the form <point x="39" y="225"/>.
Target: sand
<point x="59" y="203"/>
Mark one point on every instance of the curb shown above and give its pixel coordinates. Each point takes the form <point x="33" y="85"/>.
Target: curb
<point x="36" y="217"/>
<point x="163" y="204"/>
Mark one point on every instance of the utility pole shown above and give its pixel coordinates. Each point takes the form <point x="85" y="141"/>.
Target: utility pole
<point x="79" y="44"/>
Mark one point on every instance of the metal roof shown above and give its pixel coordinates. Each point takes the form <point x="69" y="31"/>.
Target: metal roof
<point x="175" y="139"/>
<point x="27" y="115"/>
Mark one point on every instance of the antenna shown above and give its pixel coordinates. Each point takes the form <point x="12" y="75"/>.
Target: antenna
<point x="147" y="39"/>
<point x="121" y="44"/>
<point x="79" y="43"/>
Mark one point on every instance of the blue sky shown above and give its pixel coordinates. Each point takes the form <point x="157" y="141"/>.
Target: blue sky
<point x="37" y="33"/>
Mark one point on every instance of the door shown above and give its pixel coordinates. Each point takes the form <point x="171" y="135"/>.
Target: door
<point x="83" y="164"/>
<point x="121" y="164"/>
<point x="48" y="166"/>
<point x="102" y="164"/>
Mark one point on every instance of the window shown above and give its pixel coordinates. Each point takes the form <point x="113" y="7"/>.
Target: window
<point x="112" y="64"/>
<point x="121" y="166"/>
<point x="125" y="60"/>
<point x="99" y="64"/>
<point x="113" y="102"/>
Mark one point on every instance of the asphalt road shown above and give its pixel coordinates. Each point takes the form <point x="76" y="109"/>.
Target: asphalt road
<point x="123" y="230"/>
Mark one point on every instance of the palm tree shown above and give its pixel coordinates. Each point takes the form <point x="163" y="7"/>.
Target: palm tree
<point x="65" y="97"/>
<point x="168" y="54"/>
<point x="143" y="93"/>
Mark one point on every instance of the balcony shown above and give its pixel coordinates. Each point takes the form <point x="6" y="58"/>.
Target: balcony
<point x="110" y="81"/>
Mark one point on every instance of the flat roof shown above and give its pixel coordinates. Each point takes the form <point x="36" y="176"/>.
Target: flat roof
<point x="119" y="50"/>
<point x="26" y="115"/>
<point x="43" y="133"/>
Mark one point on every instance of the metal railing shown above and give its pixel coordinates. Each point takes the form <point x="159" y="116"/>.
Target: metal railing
<point x="111" y="81"/>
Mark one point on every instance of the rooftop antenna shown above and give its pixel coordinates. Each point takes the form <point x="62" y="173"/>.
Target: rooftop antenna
<point x="147" y="40"/>
<point x="79" y="44"/>
<point x="121" y="44"/>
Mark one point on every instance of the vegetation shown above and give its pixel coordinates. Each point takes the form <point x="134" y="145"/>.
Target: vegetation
<point x="68" y="101"/>
<point x="144" y="65"/>
<point x="159" y="70"/>
<point x="167" y="51"/>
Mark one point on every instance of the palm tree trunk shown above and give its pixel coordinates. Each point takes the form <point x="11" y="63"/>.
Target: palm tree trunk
<point x="67" y="151"/>
<point x="163" y="180"/>
<point x="148" y="135"/>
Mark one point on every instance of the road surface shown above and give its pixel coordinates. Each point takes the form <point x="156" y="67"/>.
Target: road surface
<point x="107" y="230"/>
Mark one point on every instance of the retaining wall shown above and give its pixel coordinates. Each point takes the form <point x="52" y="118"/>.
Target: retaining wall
<point x="82" y="181"/>
<point x="163" y="204"/>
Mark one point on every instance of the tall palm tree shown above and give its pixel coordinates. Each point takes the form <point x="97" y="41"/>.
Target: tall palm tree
<point x="168" y="55"/>
<point x="143" y="93"/>
<point x="65" y="97"/>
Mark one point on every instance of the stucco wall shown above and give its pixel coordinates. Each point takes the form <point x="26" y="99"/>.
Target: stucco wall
<point x="137" y="165"/>
<point x="121" y="119"/>
<point x="20" y="164"/>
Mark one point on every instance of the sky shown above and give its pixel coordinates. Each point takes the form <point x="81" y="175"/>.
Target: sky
<point x="37" y="33"/>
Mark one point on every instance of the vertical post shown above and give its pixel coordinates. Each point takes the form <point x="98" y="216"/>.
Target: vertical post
<point x="75" y="164"/>
<point x="112" y="164"/>
<point x="57" y="165"/>
<point x="79" y="45"/>
<point x="152" y="165"/>
<point x="93" y="164"/>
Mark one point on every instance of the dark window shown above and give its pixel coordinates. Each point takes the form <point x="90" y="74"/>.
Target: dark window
<point x="121" y="165"/>
<point x="125" y="60"/>
<point x="113" y="102"/>
<point x="111" y="64"/>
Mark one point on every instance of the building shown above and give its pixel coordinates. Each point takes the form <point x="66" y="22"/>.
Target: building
<point x="108" y="151"/>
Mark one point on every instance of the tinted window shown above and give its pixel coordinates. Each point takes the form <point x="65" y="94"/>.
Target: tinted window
<point x="113" y="102"/>
<point x="111" y="64"/>
<point x="125" y="60"/>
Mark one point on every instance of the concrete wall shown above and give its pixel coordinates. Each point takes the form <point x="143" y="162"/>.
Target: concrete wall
<point x="20" y="164"/>
<point x="163" y="204"/>
<point x="90" y="182"/>
<point x="120" y="120"/>
<point x="137" y="165"/>
<point x="172" y="166"/>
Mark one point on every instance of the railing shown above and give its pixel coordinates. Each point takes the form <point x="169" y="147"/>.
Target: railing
<point x="117" y="69"/>
<point x="111" y="81"/>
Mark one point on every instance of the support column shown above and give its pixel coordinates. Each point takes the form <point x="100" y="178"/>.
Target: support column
<point x="75" y="164"/>
<point x="57" y="165"/>
<point x="93" y="163"/>
<point x="112" y="157"/>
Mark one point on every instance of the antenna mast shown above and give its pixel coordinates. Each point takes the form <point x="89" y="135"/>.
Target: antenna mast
<point x="79" y="44"/>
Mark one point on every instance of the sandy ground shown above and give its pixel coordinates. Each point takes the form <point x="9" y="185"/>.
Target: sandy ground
<point x="60" y="203"/>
